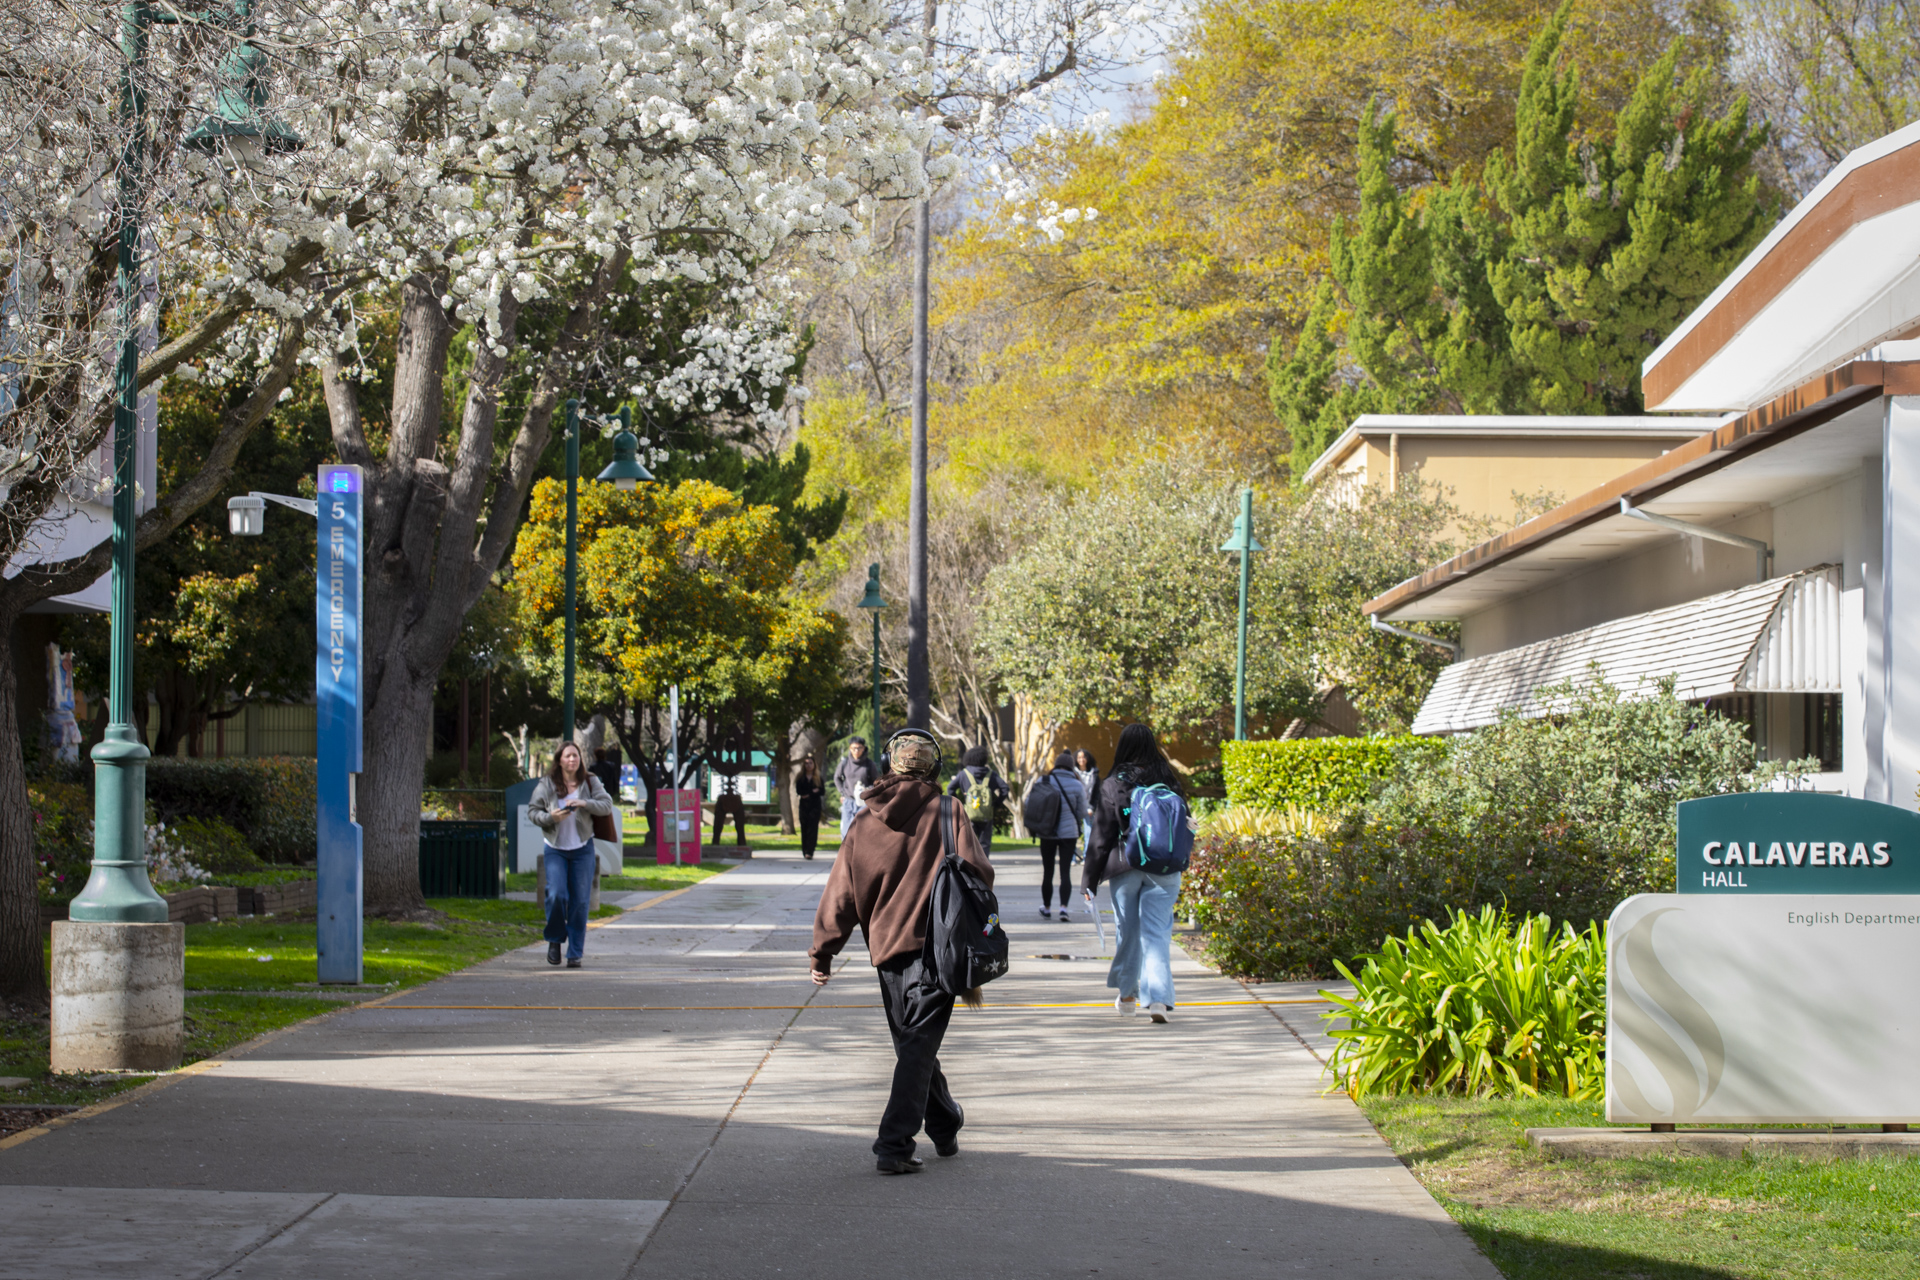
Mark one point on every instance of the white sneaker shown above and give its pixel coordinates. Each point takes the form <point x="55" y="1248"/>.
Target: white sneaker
<point x="1127" y="1007"/>
<point x="1046" y="914"/>
<point x="1064" y="913"/>
<point x="1160" y="1012"/>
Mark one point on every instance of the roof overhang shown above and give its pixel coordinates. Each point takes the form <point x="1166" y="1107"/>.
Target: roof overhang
<point x="1777" y="636"/>
<point x="1760" y="457"/>
<point x="1506" y="427"/>
<point x="1838" y="275"/>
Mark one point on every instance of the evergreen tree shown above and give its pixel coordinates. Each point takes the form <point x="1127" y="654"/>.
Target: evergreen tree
<point x="1540" y="284"/>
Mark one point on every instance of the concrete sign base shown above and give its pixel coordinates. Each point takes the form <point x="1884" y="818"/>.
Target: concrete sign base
<point x="1770" y="1009"/>
<point x="119" y="996"/>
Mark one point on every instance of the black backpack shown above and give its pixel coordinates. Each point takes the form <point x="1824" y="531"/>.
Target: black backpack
<point x="965" y="944"/>
<point x="1041" y="809"/>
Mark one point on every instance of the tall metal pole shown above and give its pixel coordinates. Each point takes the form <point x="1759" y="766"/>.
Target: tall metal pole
<point x="673" y="765"/>
<point x="919" y="675"/>
<point x="876" y="682"/>
<point x="567" y="722"/>
<point x="1246" y="580"/>
<point x="117" y="888"/>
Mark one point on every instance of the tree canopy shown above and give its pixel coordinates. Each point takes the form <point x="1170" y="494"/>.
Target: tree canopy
<point x="1539" y="283"/>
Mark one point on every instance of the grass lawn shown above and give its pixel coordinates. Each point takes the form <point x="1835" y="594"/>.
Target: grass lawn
<point x="638" y="875"/>
<point x="250" y="976"/>
<point x="1659" y="1218"/>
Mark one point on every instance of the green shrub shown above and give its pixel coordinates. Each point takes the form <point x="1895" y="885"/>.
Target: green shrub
<point x="1326" y="775"/>
<point x="62" y="836"/>
<point x="215" y="847"/>
<point x="1480" y="1007"/>
<point x="268" y="800"/>
<point x="1564" y="815"/>
<point x="1294" y="906"/>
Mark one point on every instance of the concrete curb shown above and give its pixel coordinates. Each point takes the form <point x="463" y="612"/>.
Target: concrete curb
<point x="1627" y="1144"/>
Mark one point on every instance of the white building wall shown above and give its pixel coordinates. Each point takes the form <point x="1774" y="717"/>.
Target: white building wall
<point x="1897" y="677"/>
<point x="1672" y="571"/>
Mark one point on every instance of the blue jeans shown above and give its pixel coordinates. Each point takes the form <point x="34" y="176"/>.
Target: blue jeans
<point x="848" y="807"/>
<point x="1143" y="921"/>
<point x="569" y="887"/>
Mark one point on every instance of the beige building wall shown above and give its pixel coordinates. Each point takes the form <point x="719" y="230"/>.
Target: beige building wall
<point x="1481" y="474"/>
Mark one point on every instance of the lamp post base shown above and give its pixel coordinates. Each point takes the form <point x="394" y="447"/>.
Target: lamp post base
<point x="119" y="996"/>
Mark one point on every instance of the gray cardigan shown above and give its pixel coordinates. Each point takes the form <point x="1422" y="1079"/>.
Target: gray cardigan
<point x="573" y="829"/>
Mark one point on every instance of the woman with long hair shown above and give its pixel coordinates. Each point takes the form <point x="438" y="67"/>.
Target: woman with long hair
<point x="809" y="790"/>
<point x="1142" y="969"/>
<point x="1087" y="769"/>
<point x="564" y="806"/>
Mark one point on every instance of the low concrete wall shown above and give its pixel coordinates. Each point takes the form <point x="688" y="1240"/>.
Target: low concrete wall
<point x="119" y="996"/>
<point x="1626" y="1144"/>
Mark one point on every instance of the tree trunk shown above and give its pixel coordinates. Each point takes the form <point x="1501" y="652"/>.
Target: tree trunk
<point x="466" y="731"/>
<point x="784" y="769"/>
<point x="23" y="976"/>
<point x="388" y="797"/>
<point x="441" y="512"/>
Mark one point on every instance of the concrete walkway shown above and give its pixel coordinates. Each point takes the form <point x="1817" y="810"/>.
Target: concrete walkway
<point x="688" y="1106"/>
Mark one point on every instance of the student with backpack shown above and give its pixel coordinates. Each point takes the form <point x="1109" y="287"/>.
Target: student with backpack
<point x="978" y="788"/>
<point x="1142" y="838"/>
<point x="896" y="878"/>
<point x="1087" y="769"/>
<point x="1054" y="811"/>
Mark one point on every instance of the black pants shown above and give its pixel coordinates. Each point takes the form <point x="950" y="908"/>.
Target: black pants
<point x="809" y="830"/>
<point x="1050" y="850"/>
<point x="983" y="832"/>
<point x="917" y="1016"/>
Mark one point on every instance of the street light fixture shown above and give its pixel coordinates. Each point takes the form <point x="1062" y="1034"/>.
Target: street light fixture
<point x="247" y="516"/>
<point x="625" y="471"/>
<point x="1246" y="544"/>
<point x="874" y="603"/>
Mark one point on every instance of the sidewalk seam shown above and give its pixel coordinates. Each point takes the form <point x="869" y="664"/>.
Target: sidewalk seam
<point x="299" y="1218"/>
<point x="700" y="1160"/>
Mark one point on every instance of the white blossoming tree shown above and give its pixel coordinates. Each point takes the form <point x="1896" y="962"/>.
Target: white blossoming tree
<point x="507" y="178"/>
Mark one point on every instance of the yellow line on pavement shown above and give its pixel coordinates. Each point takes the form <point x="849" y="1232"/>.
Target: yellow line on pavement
<point x="770" y="1008"/>
<point x="650" y="902"/>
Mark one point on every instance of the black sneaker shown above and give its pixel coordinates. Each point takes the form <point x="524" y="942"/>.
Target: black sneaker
<point x="553" y="953"/>
<point x="899" y="1164"/>
<point x="574" y="963"/>
<point x="951" y="1147"/>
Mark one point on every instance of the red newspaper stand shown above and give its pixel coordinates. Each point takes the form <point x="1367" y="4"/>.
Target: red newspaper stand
<point x="679" y="814"/>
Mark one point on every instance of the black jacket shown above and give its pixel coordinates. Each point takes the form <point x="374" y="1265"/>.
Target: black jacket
<point x="1104" y="857"/>
<point x="808" y="791"/>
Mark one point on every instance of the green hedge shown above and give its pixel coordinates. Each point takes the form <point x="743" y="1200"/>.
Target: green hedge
<point x="269" y="800"/>
<point x="1326" y="775"/>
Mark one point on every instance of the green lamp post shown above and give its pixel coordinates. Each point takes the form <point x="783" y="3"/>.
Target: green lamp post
<point x="117" y="924"/>
<point x="873" y="604"/>
<point x="117" y="889"/>
<point x="624" y="472"/>
<point x="1243" y="542"/>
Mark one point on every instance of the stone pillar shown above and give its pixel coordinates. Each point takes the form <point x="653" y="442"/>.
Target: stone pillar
<point x="119" y="996"/>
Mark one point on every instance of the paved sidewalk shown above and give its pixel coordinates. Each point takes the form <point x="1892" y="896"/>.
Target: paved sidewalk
<point x="689" y="1105"/>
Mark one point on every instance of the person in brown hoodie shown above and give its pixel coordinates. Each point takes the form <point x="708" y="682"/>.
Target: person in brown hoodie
<point x="881" y="882"/>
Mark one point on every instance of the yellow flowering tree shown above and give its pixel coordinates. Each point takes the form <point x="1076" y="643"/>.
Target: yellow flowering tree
<point x="678" y="585"/>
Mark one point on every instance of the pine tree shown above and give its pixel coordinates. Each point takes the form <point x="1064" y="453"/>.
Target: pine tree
<point x="1539" y="285"/>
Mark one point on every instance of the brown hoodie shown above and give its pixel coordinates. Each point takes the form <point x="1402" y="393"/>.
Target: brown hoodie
<point x="884" y="872"/>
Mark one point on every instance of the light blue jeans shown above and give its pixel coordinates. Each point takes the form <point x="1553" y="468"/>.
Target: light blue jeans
<point x="848" y="807"/>
<point x="1143" y="921"/>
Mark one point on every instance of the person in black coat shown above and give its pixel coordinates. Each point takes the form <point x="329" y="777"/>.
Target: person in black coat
<point x="976" y="770"/>
<point x="809" y="792"/>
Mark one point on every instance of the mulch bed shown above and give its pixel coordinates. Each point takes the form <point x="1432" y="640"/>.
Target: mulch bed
<point x="14" y="1119"/>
